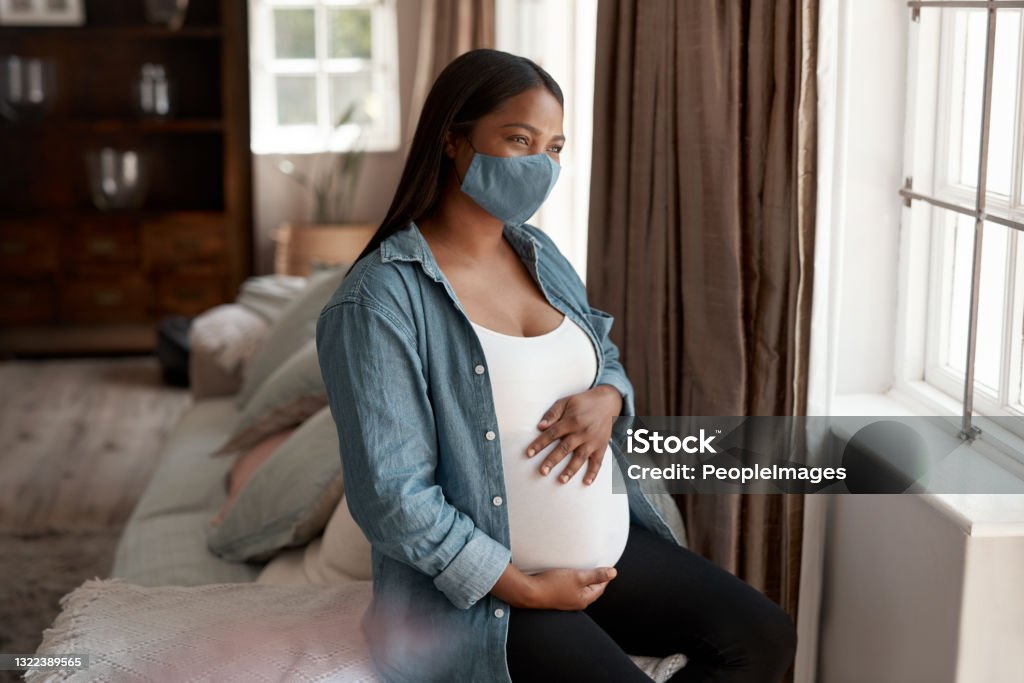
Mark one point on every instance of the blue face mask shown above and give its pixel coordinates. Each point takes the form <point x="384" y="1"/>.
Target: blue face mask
<point x="510" y="188"/>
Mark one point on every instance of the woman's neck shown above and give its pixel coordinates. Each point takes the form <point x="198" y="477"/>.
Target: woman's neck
<point x="462" y="229"/>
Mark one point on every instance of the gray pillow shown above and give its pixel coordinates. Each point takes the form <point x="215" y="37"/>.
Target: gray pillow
<point x="289" y="395"/>
<point x="288" y="500"/>
<point x="295" y="326"/>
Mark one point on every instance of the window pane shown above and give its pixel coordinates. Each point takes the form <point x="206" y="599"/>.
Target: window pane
<point x="354" y="88"/>
<point x="294" y="34"/>
<point x="967" y="90"/>
<point x="963" y="231"/>
<point x="1006" y="77"/>
<point x="969" y="66"/>
<point x="991" y="300"/>
<point x="991" y="306"/>
<point x="349" y="33"/>
<point x="296" y="100"/>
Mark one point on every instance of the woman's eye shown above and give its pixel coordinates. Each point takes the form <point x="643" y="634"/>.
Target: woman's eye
<point x="557" y="150"/>
<point x="520" y="138"/>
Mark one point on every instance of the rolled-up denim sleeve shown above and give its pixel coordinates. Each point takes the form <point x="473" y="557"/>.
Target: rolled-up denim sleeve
<point x="379" y="399"/>
<point x="613" y="372"/>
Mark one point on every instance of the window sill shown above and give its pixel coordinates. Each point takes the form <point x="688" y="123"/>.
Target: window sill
<point x="978" y="515"/>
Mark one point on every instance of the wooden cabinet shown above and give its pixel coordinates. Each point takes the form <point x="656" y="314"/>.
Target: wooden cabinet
<point x="74" y="278"/>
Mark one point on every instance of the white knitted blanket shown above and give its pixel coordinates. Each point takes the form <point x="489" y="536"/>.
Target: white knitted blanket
<point x="223" y="633"/>
<point x="214" y="632"/>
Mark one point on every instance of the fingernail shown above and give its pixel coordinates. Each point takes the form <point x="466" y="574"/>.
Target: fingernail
<point x="543" y="422"/>
<point x="590" y="480"/>
<point x="565" y="477"/>
<point x="529" y="453"/>
<point x="545" y="469"/>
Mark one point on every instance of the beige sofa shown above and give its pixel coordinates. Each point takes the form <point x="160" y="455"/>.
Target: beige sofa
<point x="167" y="587"/>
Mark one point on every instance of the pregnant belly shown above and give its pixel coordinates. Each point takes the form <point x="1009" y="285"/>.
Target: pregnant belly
<point x="552" y="524"/>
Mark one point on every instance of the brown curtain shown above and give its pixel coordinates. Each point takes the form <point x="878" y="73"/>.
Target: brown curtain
<point x="447" y="29"/>
<point x="701" y="234"/>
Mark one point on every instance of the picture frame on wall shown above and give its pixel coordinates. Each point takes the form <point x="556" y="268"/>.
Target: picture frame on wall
<point x="42" y="12"/>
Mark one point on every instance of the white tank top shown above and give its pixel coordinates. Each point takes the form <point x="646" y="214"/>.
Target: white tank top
<point x="551" y="524"/>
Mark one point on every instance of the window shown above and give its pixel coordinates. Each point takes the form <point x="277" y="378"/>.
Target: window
<point x="965" y="155"/>
<point x="311" y="60"/>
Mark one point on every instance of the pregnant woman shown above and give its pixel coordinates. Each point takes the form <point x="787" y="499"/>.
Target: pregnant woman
<point x="474" y="390"/>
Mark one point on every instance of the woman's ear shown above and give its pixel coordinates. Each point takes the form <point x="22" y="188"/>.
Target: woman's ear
<point x="449" y="145"/>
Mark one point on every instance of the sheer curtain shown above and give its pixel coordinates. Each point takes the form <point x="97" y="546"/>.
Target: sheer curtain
<point x="560" y="36"/>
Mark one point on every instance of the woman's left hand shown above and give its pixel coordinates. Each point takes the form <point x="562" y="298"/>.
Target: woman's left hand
<point x="583" y="424"/>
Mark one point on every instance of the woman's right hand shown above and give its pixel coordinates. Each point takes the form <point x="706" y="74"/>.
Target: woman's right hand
<point x="570" y="589"/>
<point x="562" y="589"/>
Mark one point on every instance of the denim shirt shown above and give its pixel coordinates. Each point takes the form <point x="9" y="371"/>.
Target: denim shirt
<point x="408" y="388"/>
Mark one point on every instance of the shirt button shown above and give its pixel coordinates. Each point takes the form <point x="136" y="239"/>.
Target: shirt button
<point x="496" y="500"/>
<point x="489" y="435"/>
<point x="479" y="369"/>
<point x="499" y="613"/>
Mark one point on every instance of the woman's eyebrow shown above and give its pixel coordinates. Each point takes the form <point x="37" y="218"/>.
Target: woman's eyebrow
<point x="531" y="129"/>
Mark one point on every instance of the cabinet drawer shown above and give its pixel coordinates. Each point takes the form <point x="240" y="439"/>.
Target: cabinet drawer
<point x="106" y="243"/>
<point x="182" y="237"/>
<point x="29" y="248"/>
<point x="27" y="301"/>
<point x="189" y="291"/>
<point x="98" y="299"/>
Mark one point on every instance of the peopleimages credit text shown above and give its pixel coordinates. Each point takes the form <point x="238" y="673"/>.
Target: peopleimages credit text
<point x="646" y="441"/>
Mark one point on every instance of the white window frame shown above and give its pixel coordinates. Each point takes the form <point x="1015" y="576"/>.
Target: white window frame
<point x="270" y="138"/>
<point x="926" y="244"/>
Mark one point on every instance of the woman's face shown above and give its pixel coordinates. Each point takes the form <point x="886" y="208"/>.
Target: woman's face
<point x="528" y="123"/>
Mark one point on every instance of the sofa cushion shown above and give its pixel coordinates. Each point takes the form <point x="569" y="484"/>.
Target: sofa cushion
<point x="171" y="550"/>
<point x="187" y="479"/>
<point x="295" y="326"/>
<point x="287" y="398"/>
<point x="289" y="498"/>
<point x="221" y="632"/>
<point x="340" y="554"/>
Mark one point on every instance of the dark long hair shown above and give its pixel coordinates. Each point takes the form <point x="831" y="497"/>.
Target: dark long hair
<point x="472" y="85"/>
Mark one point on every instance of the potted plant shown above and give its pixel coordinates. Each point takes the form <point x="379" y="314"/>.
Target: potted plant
<point x="329" y="237"/>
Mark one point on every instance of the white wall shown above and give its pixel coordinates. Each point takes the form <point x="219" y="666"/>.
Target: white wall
<point x="862" y="83"/>
<point x="891" y="602"/>
<point x="912" y="590"/>
<point x="277" y="198"/>
<point x="992" y="627"/>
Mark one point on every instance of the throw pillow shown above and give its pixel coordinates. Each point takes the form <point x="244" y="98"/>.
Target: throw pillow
<point x="246" y="465"/>
<point x="222" y="340"/>
<point x="289" y="498"/>
<point x="290" y="395"/>
<point x="295" y="326"/>
<point x="341" y="554"/>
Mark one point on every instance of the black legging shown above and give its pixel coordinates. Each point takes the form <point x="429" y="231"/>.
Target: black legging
<point x="664" y="599"/>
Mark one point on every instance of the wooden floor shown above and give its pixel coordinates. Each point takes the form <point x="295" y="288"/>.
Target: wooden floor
<point x="79" y="439"/>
